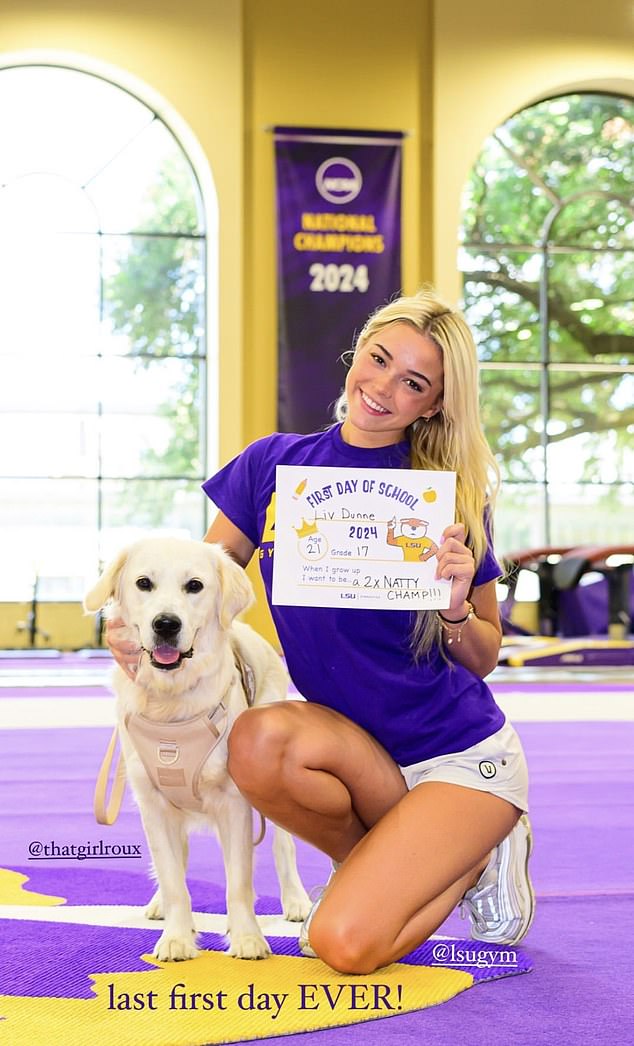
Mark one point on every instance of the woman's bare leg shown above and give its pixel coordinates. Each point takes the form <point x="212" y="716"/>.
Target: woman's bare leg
<point x="409" y="856"/>
<point x="314" y="772"/>
<point x="407" y="874"/>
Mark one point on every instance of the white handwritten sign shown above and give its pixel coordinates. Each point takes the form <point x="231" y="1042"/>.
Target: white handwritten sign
<point x="360" y="538"/>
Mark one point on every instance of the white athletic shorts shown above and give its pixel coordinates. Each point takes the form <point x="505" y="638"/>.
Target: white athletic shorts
<point x="495" y="765"/>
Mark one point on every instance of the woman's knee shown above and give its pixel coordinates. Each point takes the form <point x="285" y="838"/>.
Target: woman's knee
<point x="347" y="944"/>
<point x="257" y="745"/>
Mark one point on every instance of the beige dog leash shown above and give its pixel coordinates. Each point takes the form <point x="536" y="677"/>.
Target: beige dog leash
<point x="247" y="678"/>
<point x="107" y="812"/>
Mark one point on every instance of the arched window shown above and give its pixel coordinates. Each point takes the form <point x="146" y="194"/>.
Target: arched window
<point x="102" y="328"/>
<point x="547" y="258"/>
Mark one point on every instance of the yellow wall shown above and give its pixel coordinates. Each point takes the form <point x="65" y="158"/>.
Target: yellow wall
<point x="445" y="71"/>
<point x="60" y="626"/>
<point x="340" y="68"/>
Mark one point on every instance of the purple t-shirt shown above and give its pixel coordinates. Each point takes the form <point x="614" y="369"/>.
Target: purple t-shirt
<point x="358" y="662"/>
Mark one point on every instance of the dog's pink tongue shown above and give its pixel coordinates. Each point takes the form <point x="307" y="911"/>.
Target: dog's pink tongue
<point x="165" y="655"/>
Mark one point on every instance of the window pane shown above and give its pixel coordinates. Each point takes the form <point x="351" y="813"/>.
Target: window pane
<point x="544" y="156"/>
<point x="554" y="182"/>
<point x="154" y="291"/>
<point x="50" y="528"/>
<point x="151" y="423"/>
<point x="48" y="384"/>
<point x="519" y="515"/>
<point x="50" y="294"/>
<point x="135" y="417"/>
<point x="102" y="346"/>
<point x="592" y="220"/>
<point x="49" y="531"/>
<point x="511" y="414"/>
<point x="44" y="203"/>
<point x="501" y="202"/>
<point x="501" y="303"/>
<point x="131" y="507"/>
<point x="148" y="187"/>
<point x="592" y="307"/>
<point x="591" y="427"/>
<point x="45" y="444"/>
<point x="75" y="122"/>
<point x="591" y="514"/>
<point x="48" y="414"/>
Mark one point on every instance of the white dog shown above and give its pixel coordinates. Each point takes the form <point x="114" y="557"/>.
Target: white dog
<point x="179" y="599"/>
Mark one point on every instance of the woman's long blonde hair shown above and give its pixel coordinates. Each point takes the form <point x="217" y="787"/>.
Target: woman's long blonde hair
<point x="451" y="440"/>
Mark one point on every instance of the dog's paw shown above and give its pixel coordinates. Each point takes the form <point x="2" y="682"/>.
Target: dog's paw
<point x="249" y="946"/>
<point x="175" y="948"/>
<point x="296" y="907"/>
<point x="154" y="908"/>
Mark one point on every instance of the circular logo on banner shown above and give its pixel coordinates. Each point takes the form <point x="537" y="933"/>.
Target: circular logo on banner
<point x="338" y="180"/>
<point x="487" y="768"/>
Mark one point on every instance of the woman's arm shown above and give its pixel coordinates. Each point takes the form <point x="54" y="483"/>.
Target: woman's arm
<point x="223" y="532"/>
<point x="475" y="642"/>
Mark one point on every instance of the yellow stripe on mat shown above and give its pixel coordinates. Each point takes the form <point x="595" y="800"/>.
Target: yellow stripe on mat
<point x="12" y="891"/>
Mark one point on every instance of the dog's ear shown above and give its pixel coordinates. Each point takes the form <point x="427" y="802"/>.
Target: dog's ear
<point x="236" y="591"/>
<point x="106" y="586"/>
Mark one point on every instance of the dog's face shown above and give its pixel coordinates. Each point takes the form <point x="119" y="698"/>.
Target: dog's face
<point x="175" y="593"/>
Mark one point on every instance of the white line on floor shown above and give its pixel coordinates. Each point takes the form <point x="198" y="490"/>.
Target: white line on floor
<point x="130" y="917"/>
<point x="22" y="713"/>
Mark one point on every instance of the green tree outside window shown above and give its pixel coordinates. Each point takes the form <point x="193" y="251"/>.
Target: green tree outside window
<point x="547" y="257"/>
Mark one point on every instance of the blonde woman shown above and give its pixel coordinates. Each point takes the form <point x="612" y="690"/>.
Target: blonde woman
<point x="399" y="765"/>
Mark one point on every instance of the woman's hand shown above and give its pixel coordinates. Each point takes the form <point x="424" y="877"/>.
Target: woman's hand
<point x="455" y="562"/>
<point x="125" y="651"/>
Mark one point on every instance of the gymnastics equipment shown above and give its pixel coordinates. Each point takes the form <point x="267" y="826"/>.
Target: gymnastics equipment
<point x="615" y="563"/>
<point x="560" y="640"/>
<point x="542" y="561"/>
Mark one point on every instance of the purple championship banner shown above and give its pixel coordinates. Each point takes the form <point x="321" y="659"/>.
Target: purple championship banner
<point x="339" y="257"/>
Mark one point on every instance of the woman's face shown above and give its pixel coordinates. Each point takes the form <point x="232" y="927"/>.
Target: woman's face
<point x="396" y="377"/>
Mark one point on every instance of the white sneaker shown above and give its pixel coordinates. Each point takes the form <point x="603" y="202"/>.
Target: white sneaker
<point x="501" y="905"/>
<point x="305" y="946"/>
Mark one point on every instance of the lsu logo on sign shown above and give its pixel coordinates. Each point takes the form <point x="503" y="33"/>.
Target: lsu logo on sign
<point x="338" y="180"/>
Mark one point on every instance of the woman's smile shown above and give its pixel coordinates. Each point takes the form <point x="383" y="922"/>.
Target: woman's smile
<point x="372" y="405"/>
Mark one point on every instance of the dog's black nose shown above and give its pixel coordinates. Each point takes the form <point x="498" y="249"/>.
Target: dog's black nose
<point x="166" y="625"/>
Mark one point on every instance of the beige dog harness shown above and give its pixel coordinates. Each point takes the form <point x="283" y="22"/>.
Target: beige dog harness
<point x="173" y="754"/>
